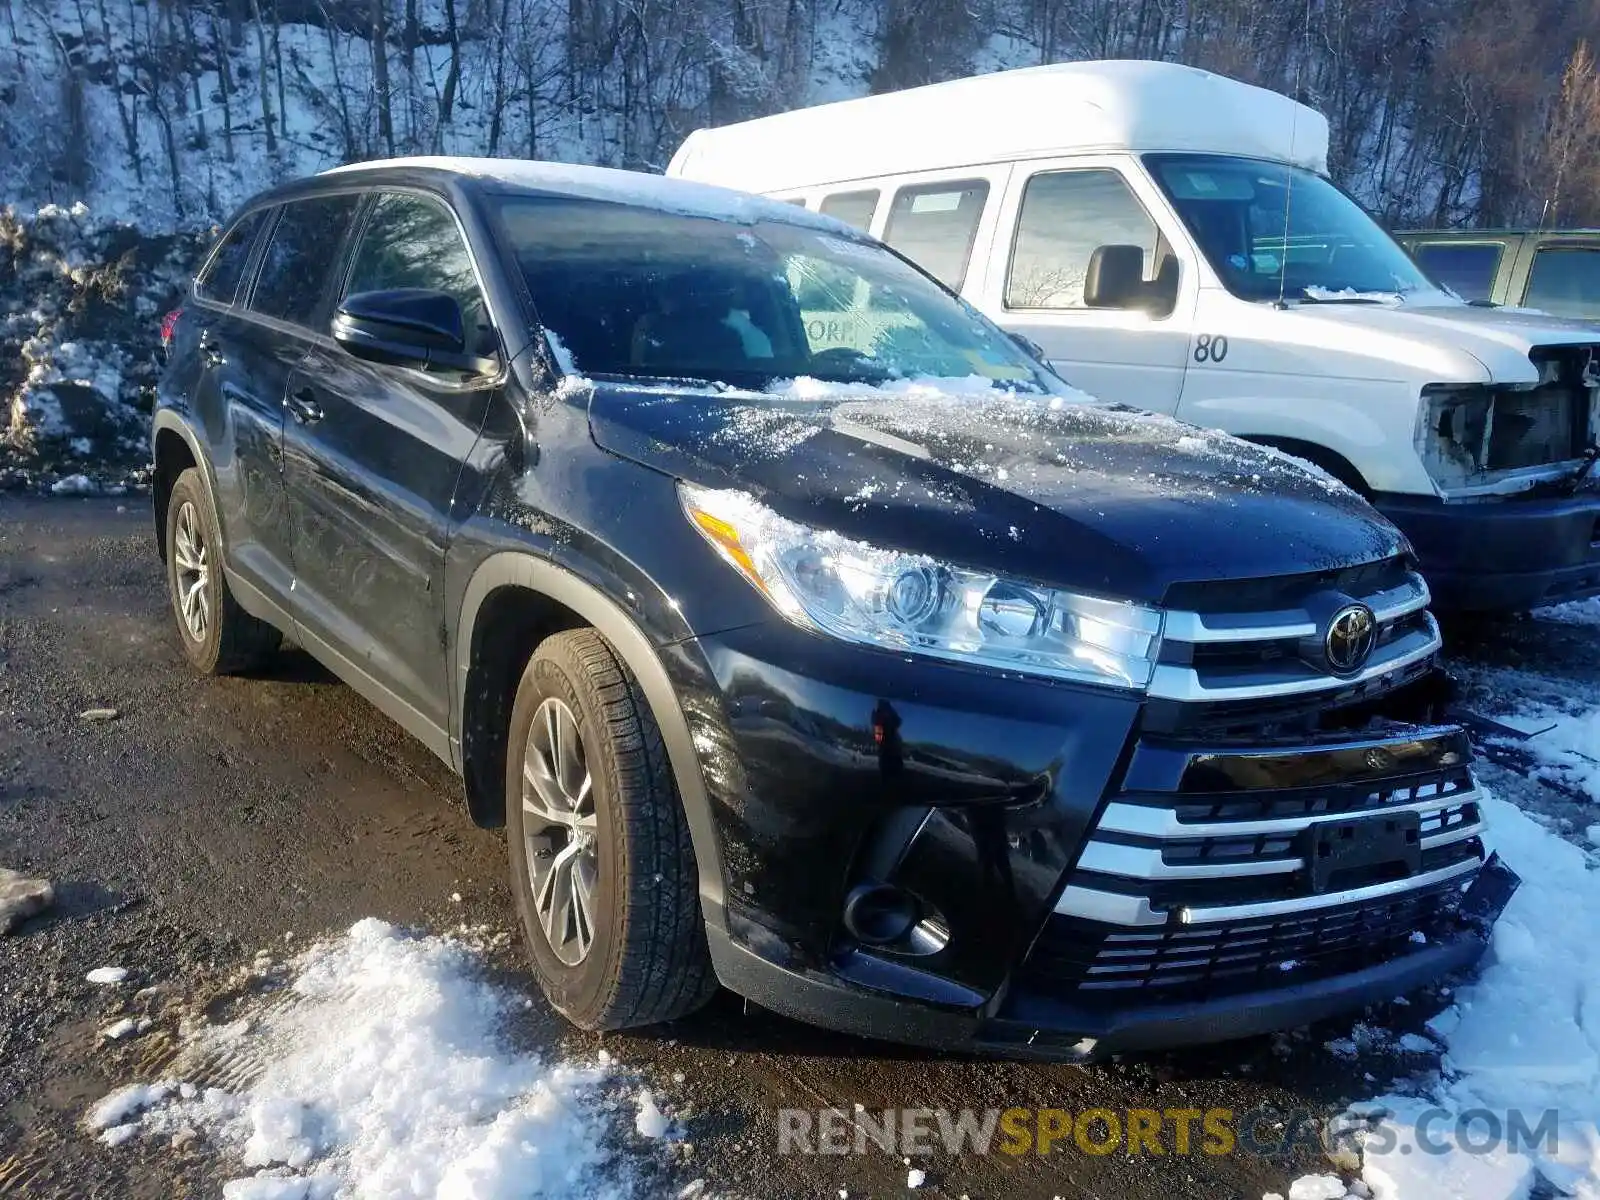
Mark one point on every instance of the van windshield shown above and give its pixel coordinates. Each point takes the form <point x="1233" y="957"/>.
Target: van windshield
<point x="632" y="292"/>
<point x="1240" y="210"/>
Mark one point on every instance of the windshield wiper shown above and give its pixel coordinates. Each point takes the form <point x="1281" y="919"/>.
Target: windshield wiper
<point x="1343" y="300"/>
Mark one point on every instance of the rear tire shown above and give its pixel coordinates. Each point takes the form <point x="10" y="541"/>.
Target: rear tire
<point x="218" y="636"/>
<point x="601" y="863"/>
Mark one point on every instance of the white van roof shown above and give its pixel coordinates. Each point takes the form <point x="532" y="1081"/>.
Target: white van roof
<point x="1007" y="116"/>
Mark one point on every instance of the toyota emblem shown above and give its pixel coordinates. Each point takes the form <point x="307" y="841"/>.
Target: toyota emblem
<point x="1350" y="638"/>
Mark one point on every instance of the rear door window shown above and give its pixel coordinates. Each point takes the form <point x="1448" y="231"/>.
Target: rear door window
<point x="1565" y="282"/>
<point x="219" y="278"/>
<point x="301" y="253"/>
<point x="934" y="225"/>
<point x="1467" y="268"/>
<point x="853" y="208"/>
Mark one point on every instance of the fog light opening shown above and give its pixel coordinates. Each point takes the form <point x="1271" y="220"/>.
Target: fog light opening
<point x="891" y="919"/>
<point x="877" y="914"/>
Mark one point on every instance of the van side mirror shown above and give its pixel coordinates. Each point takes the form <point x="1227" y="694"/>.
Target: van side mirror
<point x="407" y="327"/>
<point x="1115" y="278"/>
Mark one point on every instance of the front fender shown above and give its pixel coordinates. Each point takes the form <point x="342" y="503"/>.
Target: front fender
<point x="1369" y="424"/>
<point x="516" y="569"/>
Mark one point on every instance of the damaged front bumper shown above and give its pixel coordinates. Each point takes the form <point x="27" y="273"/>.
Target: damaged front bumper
<point x="1505" y="554"/>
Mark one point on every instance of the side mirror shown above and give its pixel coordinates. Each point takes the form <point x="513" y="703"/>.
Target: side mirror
<point x="407" y="327"/>
<point x="1115" y="278"/>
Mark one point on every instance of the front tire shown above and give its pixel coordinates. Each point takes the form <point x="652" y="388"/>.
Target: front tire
<point x="218" y="636"/>
<point x="601" y="863"/>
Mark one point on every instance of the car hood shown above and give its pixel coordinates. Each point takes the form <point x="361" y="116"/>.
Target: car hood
<point x="1496" y="341"/>
<point x="1092" y="497"/>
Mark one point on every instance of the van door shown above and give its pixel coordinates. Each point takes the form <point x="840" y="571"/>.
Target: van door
<point x="1064" y="272"/>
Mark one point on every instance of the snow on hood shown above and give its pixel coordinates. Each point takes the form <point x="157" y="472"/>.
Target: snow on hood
<point x="1053" y="488"/>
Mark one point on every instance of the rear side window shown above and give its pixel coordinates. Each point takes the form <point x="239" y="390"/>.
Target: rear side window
<point x="1466" y="268"/>
<point x="1065" y="217"/>
<point x="219" y="278"/>
<point x="413" y="242"/>
<point x="853" y="208"/>
<point x="303" y="249"/>
<point x="934" y="224"/>
<point x="1565" y="282"/>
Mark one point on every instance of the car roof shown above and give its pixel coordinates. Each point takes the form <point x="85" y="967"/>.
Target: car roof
<point x="1062" y="108"/>
<point x="511" y="176"/>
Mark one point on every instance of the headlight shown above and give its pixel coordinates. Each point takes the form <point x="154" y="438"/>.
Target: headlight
<point x="910" y="603"/>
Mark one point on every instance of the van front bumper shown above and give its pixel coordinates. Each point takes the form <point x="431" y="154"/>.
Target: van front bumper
<point x="1503" y="555"/>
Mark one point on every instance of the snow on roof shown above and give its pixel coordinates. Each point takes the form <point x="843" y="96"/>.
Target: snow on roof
<point x="622" y="187"/>
<point x="1009" y="115"/>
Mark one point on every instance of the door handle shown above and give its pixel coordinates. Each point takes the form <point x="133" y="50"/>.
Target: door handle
<point x="303" y="406"/>
<point x="210" y="350"/>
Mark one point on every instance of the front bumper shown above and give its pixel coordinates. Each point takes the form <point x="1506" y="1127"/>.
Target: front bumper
<point x="1503" y="555"/>
<point x="1040" y="1025"/>
<point x="1070" y="845"/>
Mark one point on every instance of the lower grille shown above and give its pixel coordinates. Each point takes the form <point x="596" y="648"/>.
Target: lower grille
<point x="1188" y="962"/>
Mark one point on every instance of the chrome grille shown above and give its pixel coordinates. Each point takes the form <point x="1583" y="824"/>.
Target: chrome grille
<point x="1210" y="657"/>
<point x="1196" y="837"/>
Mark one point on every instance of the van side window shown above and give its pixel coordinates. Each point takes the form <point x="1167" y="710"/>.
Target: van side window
<point x="219" y="279"/>
<point x="853" y="208"/>
<point x="933" y="224"/>
<point x="1065" y="217"/>
<point x="1466" y="268"/>
<point x="1565" y="282"/>
<point x="303" y="249"/>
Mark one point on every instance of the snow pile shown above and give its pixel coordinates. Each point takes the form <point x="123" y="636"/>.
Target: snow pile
<point x="1522" y="1041"/>
<point x="1564" y="745"/>
<point x="381" y="1073"/>
<point x="80" y="308"/>
<point x="1576" y="612"/>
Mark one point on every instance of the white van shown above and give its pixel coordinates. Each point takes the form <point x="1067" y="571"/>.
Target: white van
<point x="1172" y="240"/>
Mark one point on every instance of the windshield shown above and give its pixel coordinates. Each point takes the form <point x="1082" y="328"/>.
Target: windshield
<point x="1235" y="208"/>
<point x="633" y="292"/>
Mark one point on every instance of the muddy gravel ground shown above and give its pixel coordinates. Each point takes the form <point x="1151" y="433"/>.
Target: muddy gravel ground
<point x="210" y="819"/>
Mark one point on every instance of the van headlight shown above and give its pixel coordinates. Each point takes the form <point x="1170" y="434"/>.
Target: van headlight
<point x="914" y="604"/>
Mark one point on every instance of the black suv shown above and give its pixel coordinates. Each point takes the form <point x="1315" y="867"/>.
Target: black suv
<point x="807" y="634"/>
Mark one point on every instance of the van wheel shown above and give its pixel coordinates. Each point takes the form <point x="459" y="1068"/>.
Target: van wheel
<point x="218" y="636"/>
<point x="601" y="863"/>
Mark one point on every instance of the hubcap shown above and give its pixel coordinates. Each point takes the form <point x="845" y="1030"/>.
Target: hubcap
<point x="558" y="825"/>
<point x="193" y="571"/>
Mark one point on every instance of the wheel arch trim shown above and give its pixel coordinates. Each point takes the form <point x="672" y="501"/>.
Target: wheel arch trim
<point x="540" y="576"/>
<point x="168" y="421"/>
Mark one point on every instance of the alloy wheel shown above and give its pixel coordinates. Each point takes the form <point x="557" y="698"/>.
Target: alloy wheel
<point x="560" y="829"/>
<point x="193" y="570"/>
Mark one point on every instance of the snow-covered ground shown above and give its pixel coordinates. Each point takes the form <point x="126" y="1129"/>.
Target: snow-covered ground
<point x="374" y="1066"/>
<point x="1523" y="1040"/>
